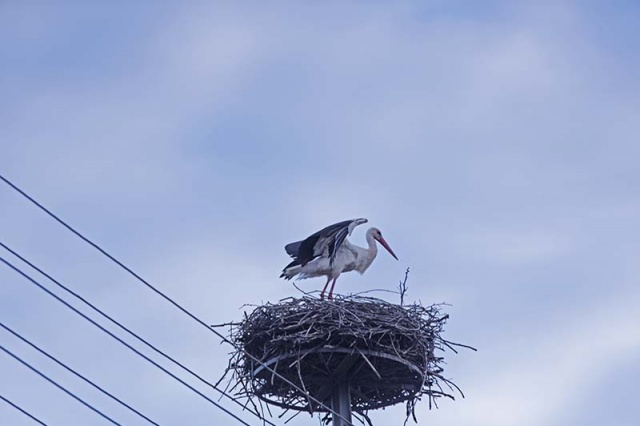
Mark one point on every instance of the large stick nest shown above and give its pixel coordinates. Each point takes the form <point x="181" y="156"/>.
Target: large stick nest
<point x="292" y="353"/>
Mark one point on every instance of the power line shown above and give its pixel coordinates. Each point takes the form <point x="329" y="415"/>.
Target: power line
<point x="50" y="293"/>
<point x="62" y="388"/>
<point x="23" y="411"/>
<point x="51" y="357"/>
<point x="167" y="298"/>
<point x="96" y="309"/>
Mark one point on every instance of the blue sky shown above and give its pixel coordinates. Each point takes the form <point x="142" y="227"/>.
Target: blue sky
<point x="494" y="144"/>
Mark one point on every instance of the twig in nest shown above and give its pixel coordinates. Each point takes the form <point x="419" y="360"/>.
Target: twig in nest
<point x="402" y="287"/>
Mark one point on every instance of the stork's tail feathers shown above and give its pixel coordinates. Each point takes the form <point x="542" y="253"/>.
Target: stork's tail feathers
<point x="291" y="270"/>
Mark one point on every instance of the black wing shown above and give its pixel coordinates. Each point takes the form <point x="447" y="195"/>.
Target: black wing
<point x="323" y="243"/>
<point x="292" y="248"/>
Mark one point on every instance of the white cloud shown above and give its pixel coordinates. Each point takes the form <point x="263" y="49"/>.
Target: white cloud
<point x="503" y="247"/>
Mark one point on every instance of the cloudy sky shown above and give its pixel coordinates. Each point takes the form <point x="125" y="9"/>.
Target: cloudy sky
<point x="494" y="143"/>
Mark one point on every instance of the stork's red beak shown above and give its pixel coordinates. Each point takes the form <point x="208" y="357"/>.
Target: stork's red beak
<point x="385" y="245"/>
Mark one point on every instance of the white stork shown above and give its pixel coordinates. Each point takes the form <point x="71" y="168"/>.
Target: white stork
<point x="328" y="253"/>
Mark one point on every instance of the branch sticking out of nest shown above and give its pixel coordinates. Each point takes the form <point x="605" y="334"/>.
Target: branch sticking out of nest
<point x="388" y="353"/>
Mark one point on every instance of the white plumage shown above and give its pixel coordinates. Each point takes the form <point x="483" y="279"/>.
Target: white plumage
<point x="328" y="253"/>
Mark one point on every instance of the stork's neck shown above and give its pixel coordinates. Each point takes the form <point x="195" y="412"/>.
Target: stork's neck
<point x="366" y="256"/>
<point x="373" y="247"/>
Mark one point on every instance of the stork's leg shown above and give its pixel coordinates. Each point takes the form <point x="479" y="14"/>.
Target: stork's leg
<point x="332" y="286"/>
<point x="325" y="288"/>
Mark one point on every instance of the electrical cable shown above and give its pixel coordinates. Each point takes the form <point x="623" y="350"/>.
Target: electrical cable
<point x="124" y="328"/>
<point x="60" y="363"/>
<point x="33" y="281"/>
<point x="62" y="388"/>
<point x="23" y="411"/>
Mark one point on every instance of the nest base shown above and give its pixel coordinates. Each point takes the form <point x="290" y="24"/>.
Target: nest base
<point x="371" y="376"/>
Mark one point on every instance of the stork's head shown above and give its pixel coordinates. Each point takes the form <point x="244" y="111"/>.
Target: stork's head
<point x="377" y="235"/>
